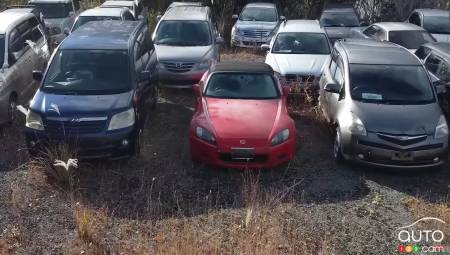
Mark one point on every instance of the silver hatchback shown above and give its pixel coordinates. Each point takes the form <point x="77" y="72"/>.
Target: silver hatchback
<point x="23" y="48"/>
<point x="381" y="101"/>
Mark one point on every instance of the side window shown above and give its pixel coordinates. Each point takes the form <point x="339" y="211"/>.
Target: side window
<point x="339" y="76"/>
<point x="128" y="16"/>
<point x="142" y="49"/>
<point x="432" y="64"/>
<point x="444" y="72"/>
<point x="415" y="19"/>
<point x="370" y="31"/>
<point x="380" y="34"/>
<point x="333" y="67"/>
<point x="423" y="52"/>
<point x="15" y="42"/>
<point x="36" y="33"/>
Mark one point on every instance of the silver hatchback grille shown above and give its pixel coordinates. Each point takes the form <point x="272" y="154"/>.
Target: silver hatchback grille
<point x="179" y="67"/>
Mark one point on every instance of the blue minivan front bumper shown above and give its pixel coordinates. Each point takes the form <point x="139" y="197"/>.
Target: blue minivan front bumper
<point x="109" y="144"/>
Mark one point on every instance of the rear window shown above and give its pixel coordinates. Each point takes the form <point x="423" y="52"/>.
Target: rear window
<point x="89" y="72"/>
<point x="85" y="19"/>
<point x="437" y="24"/>
<point x="339" y="20"/>
<point x="242" y="86"/>
<point x="410" y="39"/>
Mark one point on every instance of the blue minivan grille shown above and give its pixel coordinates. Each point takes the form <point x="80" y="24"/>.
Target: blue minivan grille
<point x="74" y="126"/>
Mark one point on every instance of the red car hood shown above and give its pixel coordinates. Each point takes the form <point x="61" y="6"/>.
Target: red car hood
<point x="235" y="119"/>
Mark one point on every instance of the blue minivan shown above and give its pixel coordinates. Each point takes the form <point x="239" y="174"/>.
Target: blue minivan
<point x="97" y="90"/>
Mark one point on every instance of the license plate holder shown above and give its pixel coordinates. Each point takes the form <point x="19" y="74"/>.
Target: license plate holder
<point x="403" y="156"/>
<point x="242" y="153"/>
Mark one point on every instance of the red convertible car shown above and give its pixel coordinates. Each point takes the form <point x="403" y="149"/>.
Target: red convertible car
<point x="241" y="119"/>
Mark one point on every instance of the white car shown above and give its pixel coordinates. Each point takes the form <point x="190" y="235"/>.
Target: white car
<point x="404" y="34"/>
<point x="58" y="16"/>
<point x="98" y="14"/>
<point x="128" y="4"/>
<point x="435" y="21"/>
<point x="298" y="52"/>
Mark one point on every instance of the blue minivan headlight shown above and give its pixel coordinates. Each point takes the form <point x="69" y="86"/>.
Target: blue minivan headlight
<point x="34" y="121"/>
<point x="122" y="120"/>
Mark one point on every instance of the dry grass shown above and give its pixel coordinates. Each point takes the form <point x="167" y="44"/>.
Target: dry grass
<point x="421" y="208"/>
<point x="259" y="227"/>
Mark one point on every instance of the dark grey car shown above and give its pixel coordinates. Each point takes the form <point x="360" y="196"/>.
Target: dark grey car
<point x="380" y="99"/>
<point x="338" y="22"/>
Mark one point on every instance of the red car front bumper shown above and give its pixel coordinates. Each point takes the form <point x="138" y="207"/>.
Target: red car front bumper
<point x="266" y="157"/>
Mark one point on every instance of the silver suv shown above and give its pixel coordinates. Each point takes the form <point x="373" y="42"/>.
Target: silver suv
<point x="187" y="45"/>
<point x="23" y="48"/>
<point x="58" y="15"/>
<point x="256" y="25"/>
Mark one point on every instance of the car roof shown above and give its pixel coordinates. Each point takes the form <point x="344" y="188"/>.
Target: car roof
<point x="118" y="3"/>
<point x="187" y="13"/>
<point x="105" y="11"/>
<point x="441" y="48"/>
<point x="360" y="51"/>
<point x="266" y="5"/>
<point x="433" y="12"/>
<point x="102" y="35"/>
<point x="312" y="26"/>
<point x="8" y="19"/>
<point x="177" y="4"/>
<point x="49" y="1"/>
<point x="242" y="67"/>
<point x="398" y="26"/>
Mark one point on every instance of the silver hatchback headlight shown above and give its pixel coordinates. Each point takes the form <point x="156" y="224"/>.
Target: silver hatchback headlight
<point x="441" y="128"/>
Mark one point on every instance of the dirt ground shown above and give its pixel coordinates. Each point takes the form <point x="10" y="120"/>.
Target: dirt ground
<point x="161" y="203"/>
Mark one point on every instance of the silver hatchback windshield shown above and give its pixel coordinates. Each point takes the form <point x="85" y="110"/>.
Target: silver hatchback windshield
<point x="390" y="84"/>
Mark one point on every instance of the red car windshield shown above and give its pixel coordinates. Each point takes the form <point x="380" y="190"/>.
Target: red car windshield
<point x="242" y="86"/>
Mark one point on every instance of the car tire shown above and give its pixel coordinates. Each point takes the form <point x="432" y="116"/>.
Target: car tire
<point x="337" y="147"/>
<point x="12" y="109"/>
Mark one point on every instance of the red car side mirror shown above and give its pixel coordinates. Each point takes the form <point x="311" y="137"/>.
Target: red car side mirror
<point x="197" y="90"/>
<point x="286" y="90"/>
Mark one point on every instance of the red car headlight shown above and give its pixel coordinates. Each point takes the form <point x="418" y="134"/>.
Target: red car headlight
<point x="280" y="138"/>
<point x="205" y="135"/>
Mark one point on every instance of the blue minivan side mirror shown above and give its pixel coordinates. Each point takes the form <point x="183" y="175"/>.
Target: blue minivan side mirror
<point x="144" y="75"/>
<point x="38" y="75"/>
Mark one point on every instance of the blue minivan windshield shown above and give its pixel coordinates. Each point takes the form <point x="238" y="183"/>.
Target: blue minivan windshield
<point x="2" y="49"/>
<point x="88" y="72"/>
